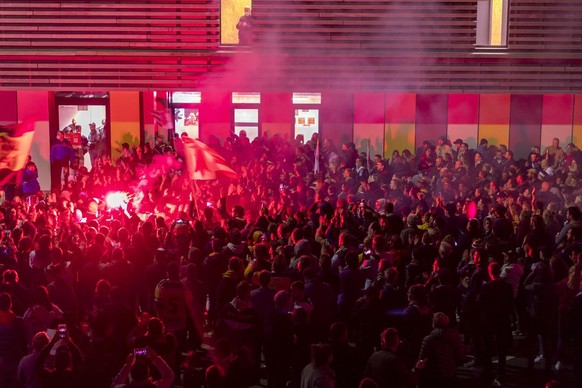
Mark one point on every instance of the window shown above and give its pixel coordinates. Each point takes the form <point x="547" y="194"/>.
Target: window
<point x="246" y="113"/>
<point x="186" y="113"/>
<point x="231" y="12"/>
<point x="306" y="115"/>
<point x="74" y="121"/>
<point x="246" y="98"/>
<point x="186" y="120"/>
<point x="306" y="123"/>
<point x="492" y="19"/>
<point x="307" y="98"/>
<point x="247" y="120"/>
<point x="186" y="97"/>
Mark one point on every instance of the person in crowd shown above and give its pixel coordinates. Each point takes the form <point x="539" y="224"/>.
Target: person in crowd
<point x="173" y="303"/>
<point x="278" y="341"/>
<point x="440" y="353"/>
<point x="543" y="299"/>
<point x="319" y="374"/>
<point x="263" y="298"/>
<point x="12" y="341"/>
<point x="158" y="339"/>
<point x="26" y="375"/>
<point x="239" y="322"/>
<point x="386" y="368"/>
<point x="94" y="139"/>
<point x="67" y="370"/>
<point x="573" y="219"/>
<point x="496" y="305"/>
<point x="137" y="367"/>
<point x="42" y="313"/>
<point x="575" y="323"/>
<point x="347" y="361"/>
<point x="30" y="185"/>
<point x="61" y="157"/>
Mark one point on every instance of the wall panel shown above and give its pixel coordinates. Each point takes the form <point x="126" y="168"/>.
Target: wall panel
<point x="215" y="114"/>
<point x="277" y="114"/>
<point x="431" y="117"/>
<point x="369" y="111"/>
<point x="545" y="25"/>
<point x="372" y="132"/>
<point x="125" y="121"/>
<point x="400" y="126"/>
<point x="8" y="110"/>
<point x="337" y="117"/>
<point x="557" y="116"/>
<point x="525" y="123"/>
<point x="494" y="115"/>
<point x="463" y="118"/>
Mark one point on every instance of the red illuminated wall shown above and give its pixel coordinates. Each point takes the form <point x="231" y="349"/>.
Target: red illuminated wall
<point x="215" y="114"/>
<point x="8" y="106"/>
<point x="463" y="118"/>
<point x="277" y="114"/>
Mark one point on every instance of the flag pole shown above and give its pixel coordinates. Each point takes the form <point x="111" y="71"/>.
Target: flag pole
<point x="195" y="190"/>
<point x="368" y="155"/>
<point x="316" y="161"/>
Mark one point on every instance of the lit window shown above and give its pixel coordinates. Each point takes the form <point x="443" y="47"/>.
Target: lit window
<point x="247" y="120"/>
<point x="236" y="22"/>
<point x="492" y="19"/>
<point x="306" y="123"/>
<point x="246" y="113"/>
<point x="307" y="98"/>
<point x="246" y="98"/>
<point x="186" y="120"/>
<point x="186" y="97"/>
<point x="186" y="113"/>
<point x="246" y="116"/>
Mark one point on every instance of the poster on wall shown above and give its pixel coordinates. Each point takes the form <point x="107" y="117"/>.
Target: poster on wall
<point x="186" y="120"/>
<point x="306" y="122"/>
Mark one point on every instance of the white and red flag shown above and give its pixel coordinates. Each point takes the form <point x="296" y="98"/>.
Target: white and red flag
<point x="163" y="118"/>
<point x="204" y="163"/>
<point x="15" y="142"/>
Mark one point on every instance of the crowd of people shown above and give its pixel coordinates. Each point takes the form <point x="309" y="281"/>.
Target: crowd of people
<point x="347" y="271"/>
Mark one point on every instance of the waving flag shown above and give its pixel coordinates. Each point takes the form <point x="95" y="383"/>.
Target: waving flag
<point x="163" y="118"/>
<point x="15" y="141"/>
<point x="204" y="163"/>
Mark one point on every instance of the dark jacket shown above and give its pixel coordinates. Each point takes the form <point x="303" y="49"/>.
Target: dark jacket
<point x="496" y="304"/>
<point x="389" y="371"/>
<point x="442" y="350"/>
